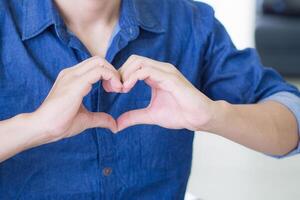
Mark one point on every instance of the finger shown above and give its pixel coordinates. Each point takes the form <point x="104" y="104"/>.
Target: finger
<point x="128" y="64"/>
<point x="96" y="74"/>
<point x="102" y="64"/>
<point x="152" y="76"/>
<point x="101" y="120"/>
<point x="98" y="62"/>
<point x="131" y="65"/>
<point x="107" y="86"/>
<point x="134" y="117"/>
<point x="136" y="62"/>
<point x="139" y="75"/>
<point x="90" y="63"/>
<point x="114" y="84"/>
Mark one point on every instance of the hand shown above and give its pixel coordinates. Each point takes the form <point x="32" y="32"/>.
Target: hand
<point x="175" y="102"/>
<point x="62" y="114"/>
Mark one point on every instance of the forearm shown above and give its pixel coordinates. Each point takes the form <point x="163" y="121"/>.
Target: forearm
<point x="267" y="127"/>
<point x="18" y="134"/>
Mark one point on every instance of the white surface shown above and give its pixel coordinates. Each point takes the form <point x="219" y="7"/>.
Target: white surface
<point x="189" y="196"/>
<point x="223" y="170"/>
<point x="228" y="171"/>
<point x="238" y="17"/>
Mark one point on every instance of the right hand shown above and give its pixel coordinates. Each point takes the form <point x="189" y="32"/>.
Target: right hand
<point x="62" y="113"/>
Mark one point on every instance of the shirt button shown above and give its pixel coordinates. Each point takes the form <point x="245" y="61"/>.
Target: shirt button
<point x="107" y="171"/>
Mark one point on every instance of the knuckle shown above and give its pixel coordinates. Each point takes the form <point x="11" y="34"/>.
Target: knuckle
<point x="134" y="57"/>
<point x="63" y="73"/>
<point x="102" y="71"/>
<point x="97" y="57"/>
<point x="142" y="63"/>
<point x="171" y="67"/>
<point x="173" y="70"/>
<point x="97" y="61"/>
<point x="101" y="62"/>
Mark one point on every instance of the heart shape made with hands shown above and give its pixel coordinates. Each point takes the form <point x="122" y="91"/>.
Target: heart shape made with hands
<point x="171" y="93"/>
<point x="175" y="103"/>
<point x="124" y="83"/>
<point x="168" y="88"/>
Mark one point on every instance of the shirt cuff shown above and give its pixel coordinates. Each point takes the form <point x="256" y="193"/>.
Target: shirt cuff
<point x="292" y="102"/>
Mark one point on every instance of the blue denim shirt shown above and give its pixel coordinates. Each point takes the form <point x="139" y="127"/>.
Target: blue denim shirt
<point x="141" y="162"/>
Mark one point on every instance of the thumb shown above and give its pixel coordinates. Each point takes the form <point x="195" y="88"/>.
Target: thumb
<point x="132" y="118"/>
<point x="102" y="120"/>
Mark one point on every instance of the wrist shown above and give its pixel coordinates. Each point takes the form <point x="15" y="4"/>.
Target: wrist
<point x="33" y="132"/>
<point x="18" y="134"/>
<point x="217" y="116"/>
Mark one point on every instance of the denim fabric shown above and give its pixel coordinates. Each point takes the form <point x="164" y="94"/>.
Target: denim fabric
<point x="147" y="162"/>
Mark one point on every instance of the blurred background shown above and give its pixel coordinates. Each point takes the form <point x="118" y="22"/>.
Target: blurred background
<point x="225" y="170"/>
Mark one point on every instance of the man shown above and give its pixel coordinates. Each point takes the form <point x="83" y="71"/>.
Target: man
<point x="53" y="55"/>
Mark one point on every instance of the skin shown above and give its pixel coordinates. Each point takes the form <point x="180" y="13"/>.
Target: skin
<point x="92" y="21"/>
<point x="267" y="127"/>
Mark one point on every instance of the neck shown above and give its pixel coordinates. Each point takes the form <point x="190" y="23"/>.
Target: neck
<point x="85" y="13"/>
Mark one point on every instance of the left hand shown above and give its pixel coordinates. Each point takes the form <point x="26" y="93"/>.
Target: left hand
<point x="175" y="102"/>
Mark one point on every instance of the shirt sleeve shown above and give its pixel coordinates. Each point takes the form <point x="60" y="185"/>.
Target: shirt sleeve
<point x="238" y="77"/>
<point x="292" y="102"/>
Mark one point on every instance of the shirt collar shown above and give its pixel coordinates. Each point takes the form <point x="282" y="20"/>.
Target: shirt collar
<point x="39" y="15"/>
<point x="141" y="13"/>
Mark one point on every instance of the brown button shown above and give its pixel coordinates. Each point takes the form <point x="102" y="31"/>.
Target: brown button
<point x="107" y="171"/>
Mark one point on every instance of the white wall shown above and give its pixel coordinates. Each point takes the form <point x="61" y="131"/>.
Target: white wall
<point x="238" y="17"/>
<point x="225" y="170"/>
